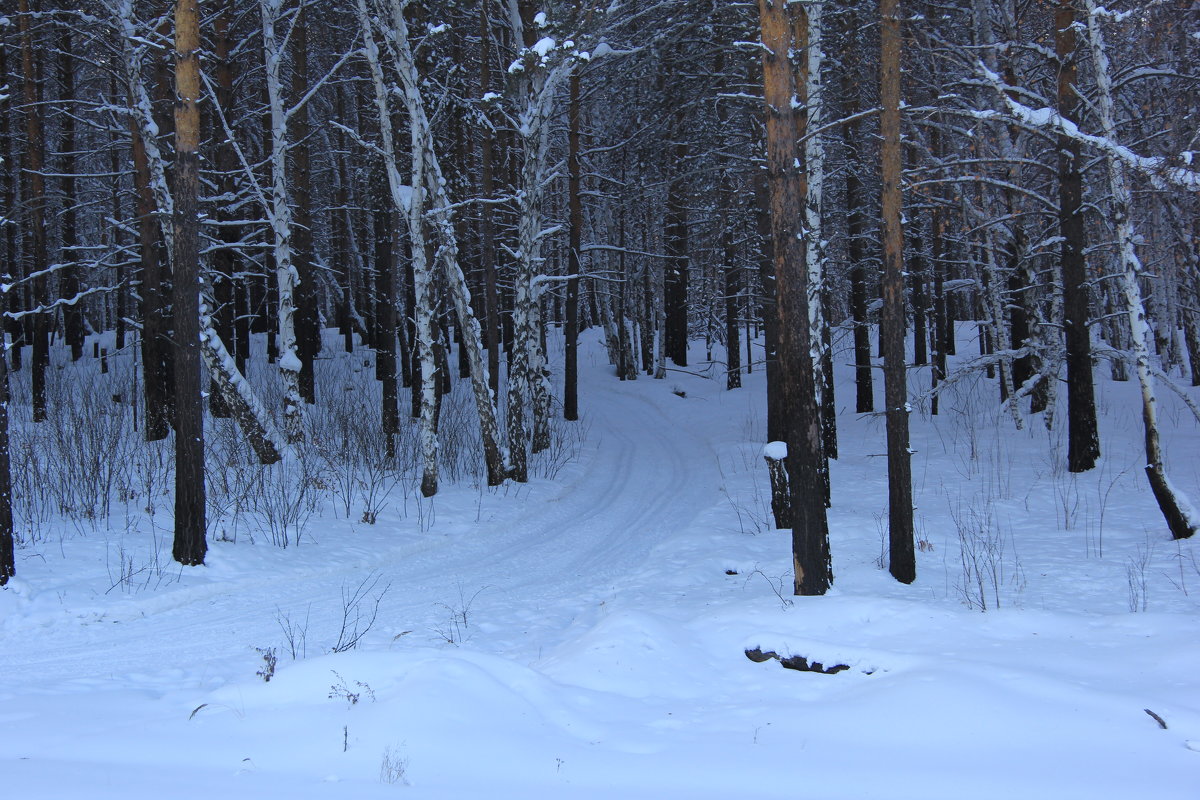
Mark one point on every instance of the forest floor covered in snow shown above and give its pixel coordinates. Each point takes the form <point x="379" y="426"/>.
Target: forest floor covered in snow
<point x="584" y="635"/>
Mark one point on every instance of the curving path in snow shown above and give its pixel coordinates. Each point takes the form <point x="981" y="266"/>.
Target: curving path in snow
<point x="539" y="558"/>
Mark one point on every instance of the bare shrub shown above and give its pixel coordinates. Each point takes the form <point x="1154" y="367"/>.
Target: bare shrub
<point x="360" y="608"/>
<point x="87" y="445"/>
<point x="393" y="767"/>
<point x="991" y="571"/>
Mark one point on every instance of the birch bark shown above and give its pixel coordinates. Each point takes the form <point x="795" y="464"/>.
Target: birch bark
<point x="1181" y="517"/>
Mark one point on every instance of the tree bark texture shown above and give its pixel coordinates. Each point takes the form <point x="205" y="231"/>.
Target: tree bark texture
<point x="189" y="544"/>
<point x="902" y="556"/>
<point x="1083" y="438"/>
<point x="813" y="571"/>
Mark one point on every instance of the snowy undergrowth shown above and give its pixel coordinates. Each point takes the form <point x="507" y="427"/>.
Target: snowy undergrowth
<point x="584" y="635"/>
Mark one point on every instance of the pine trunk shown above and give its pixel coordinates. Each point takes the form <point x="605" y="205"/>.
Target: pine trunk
<point x="38" y="259"/>
<point x="1083" y="439"/>
<point x="190" y="544"/>
<point x="902" y="557"/>
<point x="813" y="572"/>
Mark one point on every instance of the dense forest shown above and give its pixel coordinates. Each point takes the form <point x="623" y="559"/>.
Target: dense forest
<point x="450" y="185"/>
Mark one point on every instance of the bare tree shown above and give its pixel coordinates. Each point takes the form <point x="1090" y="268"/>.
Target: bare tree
<point x="1181" y="517"/>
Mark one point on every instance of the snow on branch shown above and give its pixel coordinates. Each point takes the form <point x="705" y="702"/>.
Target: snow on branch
<point x="1157" y="168"/>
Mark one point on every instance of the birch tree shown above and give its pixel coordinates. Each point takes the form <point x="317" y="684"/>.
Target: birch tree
<point x="541" y="67"/>
<point x="1181" y="517"/>
<point x="286" y="275"/>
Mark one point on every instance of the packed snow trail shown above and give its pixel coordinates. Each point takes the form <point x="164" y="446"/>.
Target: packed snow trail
<point x="533" y="566"/>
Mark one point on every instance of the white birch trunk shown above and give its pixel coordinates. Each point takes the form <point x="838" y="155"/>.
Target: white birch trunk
<point x="410" y="200"/>
<point x="541" y="72"/>
<point x="1181" y="516"/>
<point x="281" y="225"/>
<point x="814" y="163"/>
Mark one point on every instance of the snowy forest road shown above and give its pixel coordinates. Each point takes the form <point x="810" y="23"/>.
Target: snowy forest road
<point x="511" y="581"/>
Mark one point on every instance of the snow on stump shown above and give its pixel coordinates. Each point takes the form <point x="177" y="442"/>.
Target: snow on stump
<point x="775" y="453"/>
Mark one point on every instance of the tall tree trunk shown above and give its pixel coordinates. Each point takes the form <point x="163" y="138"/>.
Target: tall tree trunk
<point x="189" y="545"/>
<point x="942" y="326"/>
<point x="777" y="412"/>
<point x="733" y="290"/>
<point x="385" y="340"/>
<point x="280" y="216"/>
<point x="855" y="236"/>
<point x="676" y="268"/>
<point x="72" y="311"/>
<point x="8" y="564"/>
<point x="487" y="243"/>
<point x="811" y="39"/>
<point x="1083" y="438"/>
<point x="155" y="376"/>
<point x="574" y="266"/>
<point x="902" y="556"/>
<point x="307" y="321"/>
<point x="813" y="571"/>
<point x="12" y="265"/>
<point x="224" y="258"/>
<point x="38" y="259"/>
<point x="1179" y="514"/>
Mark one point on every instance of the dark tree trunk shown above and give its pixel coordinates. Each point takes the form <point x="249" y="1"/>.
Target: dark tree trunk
<point x="902" y="556"/>
<point x="308" y="324"/>
<point x="11" y="267"/>
<point x="856" y="254"/>
<point x="38" y="258"/>
<point x="675" y="282"/>
<point x="8" y="564"/>
<point x="574" y="266"/>
<point x="121" y="293"/>
<point x="1018" y="320"/>
<point x="385" y="339"/>
<point x="813" y="572"/>
<point x="189" y="545"/>
<point x="1083" y="438"/>
<point x="69" y="286"/>
<point x="487" y="235"/>
<point x="156" y="375"/>
<point x="224" y="259"/>
<point x="942" y="332"/>
<point x="916" y="271"/>
<point x="733" y="290"/>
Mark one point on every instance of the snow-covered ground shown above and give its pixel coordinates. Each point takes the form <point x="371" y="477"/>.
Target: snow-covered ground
<point x="584" y="636"/>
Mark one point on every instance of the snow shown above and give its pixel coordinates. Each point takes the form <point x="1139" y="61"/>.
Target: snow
<point x="776" y="451"/>
<point x="543" y="46"/>
<point x="583" y="636"/>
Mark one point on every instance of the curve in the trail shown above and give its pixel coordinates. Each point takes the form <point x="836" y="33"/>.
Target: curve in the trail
<point x="545" y="563"/>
